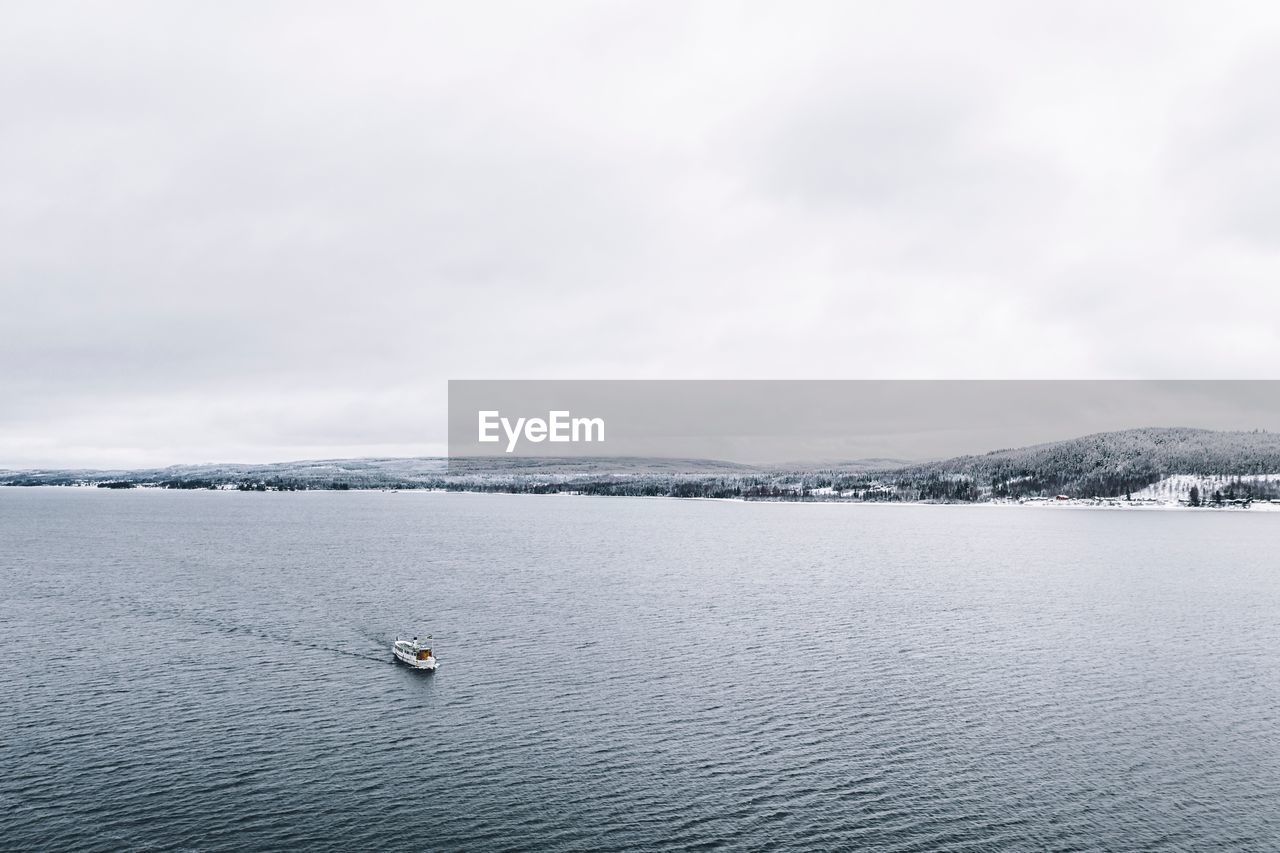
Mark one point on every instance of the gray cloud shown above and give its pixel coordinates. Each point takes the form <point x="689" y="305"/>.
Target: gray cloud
<point x="237" y="232"/>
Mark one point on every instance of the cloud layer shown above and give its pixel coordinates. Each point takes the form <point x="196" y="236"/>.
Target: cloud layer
<point x="236" y="232"/>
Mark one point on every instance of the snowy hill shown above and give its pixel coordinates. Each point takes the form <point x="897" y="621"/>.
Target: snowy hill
<point x="1105" y="464"/>
<point x="1160" y="464"/>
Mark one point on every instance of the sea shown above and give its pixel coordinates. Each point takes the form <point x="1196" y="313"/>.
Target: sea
<point x="213" y="671"/>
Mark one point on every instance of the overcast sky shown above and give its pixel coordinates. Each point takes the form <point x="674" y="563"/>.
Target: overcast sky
<point x="253" y="232"/>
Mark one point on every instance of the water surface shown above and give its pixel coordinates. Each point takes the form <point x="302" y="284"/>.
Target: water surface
<point x="212" y="671"/>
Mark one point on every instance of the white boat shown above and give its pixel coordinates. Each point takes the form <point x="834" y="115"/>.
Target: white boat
<point x="415" y="653"/>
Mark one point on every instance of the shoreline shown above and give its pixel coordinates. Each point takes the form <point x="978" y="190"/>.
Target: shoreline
<point x="1108" y="504"/>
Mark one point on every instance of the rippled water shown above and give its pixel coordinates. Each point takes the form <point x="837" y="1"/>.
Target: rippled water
<point x="212" y="671"/>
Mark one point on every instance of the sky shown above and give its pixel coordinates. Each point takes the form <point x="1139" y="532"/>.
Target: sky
<point x="254" y="232"/>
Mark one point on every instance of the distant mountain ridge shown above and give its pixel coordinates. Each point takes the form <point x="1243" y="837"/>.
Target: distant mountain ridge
<point x="1106" y="464"/>
<point x="313" y="474"/>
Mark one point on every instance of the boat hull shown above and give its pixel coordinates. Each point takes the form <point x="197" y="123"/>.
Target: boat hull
<point x="411" y="660"/>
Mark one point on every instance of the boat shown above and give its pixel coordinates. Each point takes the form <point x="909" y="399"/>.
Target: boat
<point x="416" y="653"/>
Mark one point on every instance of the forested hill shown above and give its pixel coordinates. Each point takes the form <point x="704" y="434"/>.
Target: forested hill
<point x="1109" y="464"/>
<point x="1104" y="464"/>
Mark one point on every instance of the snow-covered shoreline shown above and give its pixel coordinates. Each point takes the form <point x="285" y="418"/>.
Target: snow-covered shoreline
<point x="1112" y="504"/>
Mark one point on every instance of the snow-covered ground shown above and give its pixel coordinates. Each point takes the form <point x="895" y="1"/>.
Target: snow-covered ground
<point x="1136" y="504"/>
<point x="1178" y="487"/>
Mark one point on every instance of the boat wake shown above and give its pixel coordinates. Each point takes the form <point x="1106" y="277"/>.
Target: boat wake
<point x="232" y="627"/>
